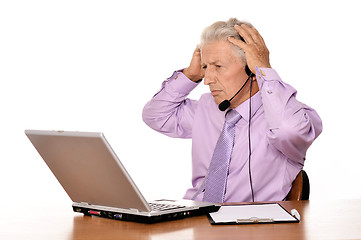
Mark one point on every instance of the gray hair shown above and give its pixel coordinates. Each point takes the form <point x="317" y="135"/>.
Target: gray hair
<point x="220" y="31"/>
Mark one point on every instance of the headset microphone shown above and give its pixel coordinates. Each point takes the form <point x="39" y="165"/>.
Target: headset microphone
<point x="226" y="103"/>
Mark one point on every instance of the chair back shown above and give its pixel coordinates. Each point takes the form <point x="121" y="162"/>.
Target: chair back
<point x="300" y="188"/>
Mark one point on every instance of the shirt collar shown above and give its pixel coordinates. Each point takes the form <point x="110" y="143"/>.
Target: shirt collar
<point x="243" y="108"/>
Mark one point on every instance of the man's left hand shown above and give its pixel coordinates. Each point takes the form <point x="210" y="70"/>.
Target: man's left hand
<point x="255" y="49"/>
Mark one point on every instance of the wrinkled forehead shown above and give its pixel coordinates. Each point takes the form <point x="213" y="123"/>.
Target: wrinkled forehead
<point x="219" y="51"/>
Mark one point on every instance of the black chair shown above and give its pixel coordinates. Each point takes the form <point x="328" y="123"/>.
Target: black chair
<point x="300" y="188"/>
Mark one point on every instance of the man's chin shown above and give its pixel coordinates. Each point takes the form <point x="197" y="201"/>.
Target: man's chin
<point x="218" y="100"/>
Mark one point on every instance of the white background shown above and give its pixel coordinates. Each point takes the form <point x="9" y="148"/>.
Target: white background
<point x="92" y="65"/>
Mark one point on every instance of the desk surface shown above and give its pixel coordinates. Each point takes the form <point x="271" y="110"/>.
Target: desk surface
<point x="330" y="219"/>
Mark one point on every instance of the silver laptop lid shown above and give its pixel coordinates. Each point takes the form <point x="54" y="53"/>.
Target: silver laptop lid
<point x="87" y="168"/>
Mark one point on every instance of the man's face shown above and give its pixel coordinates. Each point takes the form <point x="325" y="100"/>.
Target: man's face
<point x="224" y="72"/>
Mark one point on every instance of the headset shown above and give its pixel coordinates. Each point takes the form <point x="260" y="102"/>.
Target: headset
<point x="226" y="103"/>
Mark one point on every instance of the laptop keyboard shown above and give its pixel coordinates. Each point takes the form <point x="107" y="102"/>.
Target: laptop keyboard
<point x="163" y="207"/>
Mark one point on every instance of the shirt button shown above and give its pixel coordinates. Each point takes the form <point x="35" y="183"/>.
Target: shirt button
<point x="269" y="91"/>
<point x="263" y="73"/>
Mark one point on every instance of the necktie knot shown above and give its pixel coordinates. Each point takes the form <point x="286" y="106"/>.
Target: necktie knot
<point x="232" y="117"/>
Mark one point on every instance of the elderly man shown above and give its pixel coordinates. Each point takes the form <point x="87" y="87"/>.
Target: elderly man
<point x="254" y="149"/>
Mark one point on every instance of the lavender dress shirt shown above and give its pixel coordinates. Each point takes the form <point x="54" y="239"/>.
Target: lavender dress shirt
<point x="282" y="129"/>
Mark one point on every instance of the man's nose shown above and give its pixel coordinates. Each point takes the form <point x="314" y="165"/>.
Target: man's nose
<point x="208" y="77"/>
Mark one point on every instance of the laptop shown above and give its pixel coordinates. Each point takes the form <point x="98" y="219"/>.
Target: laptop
<point x="97" y="182"/>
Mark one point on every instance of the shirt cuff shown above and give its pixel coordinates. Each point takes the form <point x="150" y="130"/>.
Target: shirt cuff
<point x="266" y="74"/>
<point x="178" y="82"/>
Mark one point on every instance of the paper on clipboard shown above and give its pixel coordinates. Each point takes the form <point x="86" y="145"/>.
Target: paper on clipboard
<point x="253" y="213"/>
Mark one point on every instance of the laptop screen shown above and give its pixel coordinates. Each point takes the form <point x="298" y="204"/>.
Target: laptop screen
<point x="87" y="168"/>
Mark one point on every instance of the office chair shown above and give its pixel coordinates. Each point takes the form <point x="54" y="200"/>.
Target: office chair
<point x="300" y="188"/>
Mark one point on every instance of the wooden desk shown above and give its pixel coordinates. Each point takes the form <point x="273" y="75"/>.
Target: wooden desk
<point x="336" y="219"/>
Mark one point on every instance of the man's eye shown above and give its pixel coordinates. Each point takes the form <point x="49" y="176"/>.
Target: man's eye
<point x="204" y="67"/>
<point x="218" y="66"/>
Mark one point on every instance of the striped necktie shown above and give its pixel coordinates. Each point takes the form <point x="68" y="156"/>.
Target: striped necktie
<point x="215" y="183"/>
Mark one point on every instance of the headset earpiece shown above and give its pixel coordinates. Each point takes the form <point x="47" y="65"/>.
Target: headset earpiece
<point x="248" y="71"/>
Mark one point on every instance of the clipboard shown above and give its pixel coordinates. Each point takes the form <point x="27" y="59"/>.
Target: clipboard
<point x="253" y="214"/>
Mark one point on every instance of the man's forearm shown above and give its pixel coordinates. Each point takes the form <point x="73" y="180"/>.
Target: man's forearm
<point x="169" y="112"/>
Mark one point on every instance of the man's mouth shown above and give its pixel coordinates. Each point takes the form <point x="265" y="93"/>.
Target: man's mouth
<point x="215" y="92"/>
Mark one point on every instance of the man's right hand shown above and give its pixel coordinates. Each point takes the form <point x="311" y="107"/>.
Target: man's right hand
<point x="195" y="71"/>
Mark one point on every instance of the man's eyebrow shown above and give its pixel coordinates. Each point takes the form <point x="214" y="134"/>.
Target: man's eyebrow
<point x="212" y="63"/>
